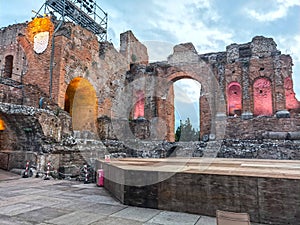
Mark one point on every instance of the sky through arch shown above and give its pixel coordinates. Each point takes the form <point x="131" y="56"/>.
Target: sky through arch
<point x="186" y="101"/>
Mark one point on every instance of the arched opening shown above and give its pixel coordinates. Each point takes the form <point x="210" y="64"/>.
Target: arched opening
<point x="187" y="109"/>
<point x="81" y="102"/>
<point x="234" y="99"/>
<point x="8" y="67"/>
<point x="262" y="96"/>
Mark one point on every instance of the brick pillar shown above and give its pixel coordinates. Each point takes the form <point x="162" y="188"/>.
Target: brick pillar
<point x="165" y="111"/>
<point x="205" y="116"/>
<point x="246" y="107"/>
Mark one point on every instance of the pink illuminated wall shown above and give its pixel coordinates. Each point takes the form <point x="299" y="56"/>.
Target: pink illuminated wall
<point x="290" y="99"/>
<point x="262" y="95"/>
<point x="234" y="99"/>
<point x="139" y="105"/>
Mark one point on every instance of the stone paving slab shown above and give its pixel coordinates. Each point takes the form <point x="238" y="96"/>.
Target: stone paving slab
<point x="16" y="209"/>
<point x="170" y="218"/>
<point x="42" y="215"/>
<point x="27" y="191"/>
<point x="138" y="214"/>
<point x="104" y="209"/>
<point x="7" y="220"/>
<point x="101" y="199"/>
<point x="74" y="205"/>
<point x="206" y="220"/>
<point x="76" y="218"/>
<point x="116" y="221"/>
<point x="17" y="199"/>
<point x="46" y="201"/>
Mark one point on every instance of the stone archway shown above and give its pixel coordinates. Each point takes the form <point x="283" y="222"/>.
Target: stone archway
<point x="187" y="109"/>
<point x="82" y="104"/>
<point x="205" y="103"/>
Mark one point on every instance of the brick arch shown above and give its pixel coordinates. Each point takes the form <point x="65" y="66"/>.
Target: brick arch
<point x="234" y="99"/>
<point x="172" y="78"/>
<point x="197" y="112"/>
<point x="262" y="97"/>
<point x="82" y="104"/>
<point x="205" y="102"/>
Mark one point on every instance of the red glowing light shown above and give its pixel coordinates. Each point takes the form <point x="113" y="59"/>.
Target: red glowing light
<point x="234" y="99"/>
<point x="139" y="110"/>
<point x="262" y="93"/>
<point x="290" y="99"/>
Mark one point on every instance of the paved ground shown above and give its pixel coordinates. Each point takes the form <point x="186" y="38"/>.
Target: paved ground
<point x="33" y="201"/>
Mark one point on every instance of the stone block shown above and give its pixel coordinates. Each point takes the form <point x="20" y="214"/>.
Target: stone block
<point x="293" y="135"/>
<point x="277" y="135"/>
<point x="247" y="115"/>
<point x="283" y="114"/>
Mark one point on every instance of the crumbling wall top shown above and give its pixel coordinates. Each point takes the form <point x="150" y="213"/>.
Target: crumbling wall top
<point x="132" y="49"/>
<point x="183" y="53"/>
<point x="263" y="47"/>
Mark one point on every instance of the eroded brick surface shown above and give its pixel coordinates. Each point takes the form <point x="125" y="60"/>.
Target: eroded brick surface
<point x="246" y="92"/>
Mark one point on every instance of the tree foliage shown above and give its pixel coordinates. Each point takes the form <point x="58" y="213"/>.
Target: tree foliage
<point x="186" y="132"/>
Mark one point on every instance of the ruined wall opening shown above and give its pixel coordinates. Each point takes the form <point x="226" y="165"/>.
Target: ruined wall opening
<point x="262" y="97"/>
<point x="82" y="104"/>
<point x="187" y="109"/>
<point x="8" y="66"/>
<point x="234" y="99"/>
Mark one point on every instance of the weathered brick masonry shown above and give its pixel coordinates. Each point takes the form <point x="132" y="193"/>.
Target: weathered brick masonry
<point x="94" y="90"/>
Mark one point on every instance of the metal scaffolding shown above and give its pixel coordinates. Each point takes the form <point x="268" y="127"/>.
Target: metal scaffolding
<point x="85" y="13"/>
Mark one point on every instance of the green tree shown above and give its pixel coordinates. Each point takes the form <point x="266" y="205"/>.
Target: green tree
<point x="186" y="132"/>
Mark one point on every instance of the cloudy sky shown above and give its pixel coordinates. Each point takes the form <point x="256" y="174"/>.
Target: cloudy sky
<point x="210" y="24"/>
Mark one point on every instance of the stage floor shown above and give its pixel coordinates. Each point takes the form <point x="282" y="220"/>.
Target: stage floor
<point x="288" y="169"/>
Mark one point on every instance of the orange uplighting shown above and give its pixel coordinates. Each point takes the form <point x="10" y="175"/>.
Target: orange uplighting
<point x="38" y="25"/>
<point x="82" y="104"/>
<point x="2" y="125"/>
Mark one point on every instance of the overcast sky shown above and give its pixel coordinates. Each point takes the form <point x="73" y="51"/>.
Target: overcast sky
<point x="210" y="24"/>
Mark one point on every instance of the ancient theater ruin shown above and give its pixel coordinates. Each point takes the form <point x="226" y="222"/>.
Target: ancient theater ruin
<point x="69" y="97"/>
